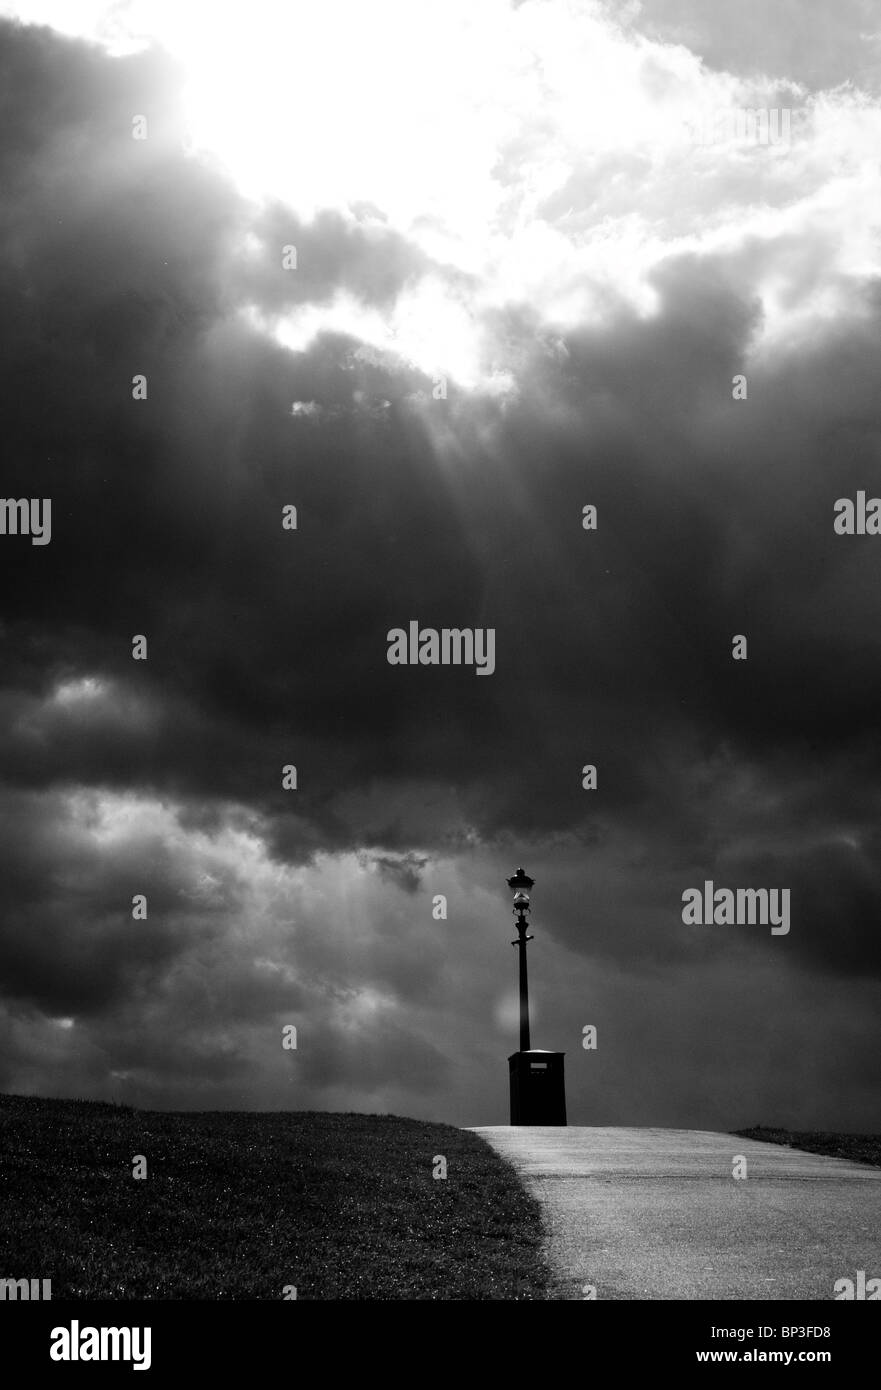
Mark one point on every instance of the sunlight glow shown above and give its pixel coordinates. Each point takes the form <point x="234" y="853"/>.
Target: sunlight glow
<point x="80" y="691"/>
<point x="539" y="154"/>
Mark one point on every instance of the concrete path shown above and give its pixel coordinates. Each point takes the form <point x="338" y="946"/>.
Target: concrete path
<point x="656" y="1213"/>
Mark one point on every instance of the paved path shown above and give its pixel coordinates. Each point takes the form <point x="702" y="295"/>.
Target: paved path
<point x="656" y="1213"/>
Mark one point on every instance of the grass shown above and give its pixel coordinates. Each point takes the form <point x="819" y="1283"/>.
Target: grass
<point x="862" y="1148"/>
<point x="238" y="1205"/>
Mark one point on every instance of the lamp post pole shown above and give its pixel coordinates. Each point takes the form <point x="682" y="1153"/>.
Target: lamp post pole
<point x="520" y="884"/>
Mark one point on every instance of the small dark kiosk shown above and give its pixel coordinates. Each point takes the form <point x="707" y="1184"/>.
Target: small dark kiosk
<point x="538" y="1091"/>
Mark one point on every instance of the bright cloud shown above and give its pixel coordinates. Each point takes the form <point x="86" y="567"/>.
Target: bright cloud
<point x="513" y="143"/>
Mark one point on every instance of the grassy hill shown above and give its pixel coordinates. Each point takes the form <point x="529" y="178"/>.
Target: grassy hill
<point x="861" y="1148"/>
<point x="238" y="1205"/>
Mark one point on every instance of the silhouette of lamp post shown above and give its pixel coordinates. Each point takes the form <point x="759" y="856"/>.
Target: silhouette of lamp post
<point x="538" y="1089"/>
<point x="521" y="885"/>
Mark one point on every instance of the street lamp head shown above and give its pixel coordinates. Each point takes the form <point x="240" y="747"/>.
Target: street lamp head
<point x="520" y="882"/>
<point x="521" y="902"/>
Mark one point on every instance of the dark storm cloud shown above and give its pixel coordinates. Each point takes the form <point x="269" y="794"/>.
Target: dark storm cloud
<point x="268" y="647"/>
<point x="92" y="968"/>
<point x="333" y="256"/>
<point x="69" y="944"/>
<point x="256" y="638"/>
<point x="404" y="870"/>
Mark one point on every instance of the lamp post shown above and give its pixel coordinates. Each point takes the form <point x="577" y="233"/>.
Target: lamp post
<point x="538" y="1092"/>
<point x="521" y="885"/>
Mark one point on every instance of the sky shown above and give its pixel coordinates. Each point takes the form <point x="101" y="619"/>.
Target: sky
<point x="534" y="257"/>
